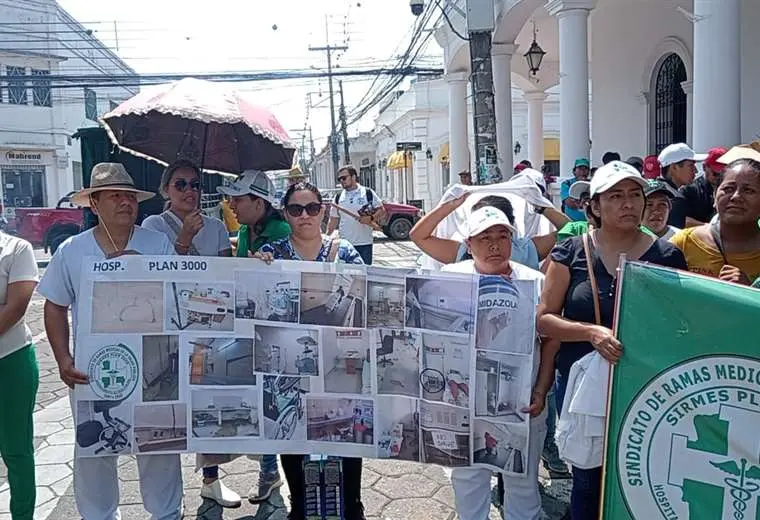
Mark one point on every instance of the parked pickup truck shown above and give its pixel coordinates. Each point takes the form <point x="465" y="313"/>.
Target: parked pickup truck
<point x="400" y="220"/>
<point x="47" y="227"/>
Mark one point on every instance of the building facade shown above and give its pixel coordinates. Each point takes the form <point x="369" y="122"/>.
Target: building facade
<point x="40" y="43"/>
<point x="420" y="115"/>
<point x="660" y="72"/>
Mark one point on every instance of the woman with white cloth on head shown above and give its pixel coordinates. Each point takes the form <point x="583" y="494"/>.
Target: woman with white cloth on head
<point x="489" y="240"/>
<point x="578" y="297"/>
<point x="528" y="251"/>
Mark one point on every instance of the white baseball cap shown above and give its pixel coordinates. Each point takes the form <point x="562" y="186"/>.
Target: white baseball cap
<point x="612" y="173"/>
<point x="678" y="152"/>
<point x="485" y="218"/>
<point x="579" y="188"/>
<point x="251" y="182"/>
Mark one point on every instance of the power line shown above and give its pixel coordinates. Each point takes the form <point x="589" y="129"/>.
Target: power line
<point x="93" y="81"/>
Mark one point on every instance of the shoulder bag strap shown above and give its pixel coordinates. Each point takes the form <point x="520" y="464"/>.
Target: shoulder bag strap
<point x="175" y="229"/>
<point x="332" y="256"/>
<point x="715" y="232"/>
<point x="592" y="278"/>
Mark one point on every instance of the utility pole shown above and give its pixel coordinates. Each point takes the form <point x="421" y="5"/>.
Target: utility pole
<point x="344" y="125"/>
<point x="480" y="26"/>
<point x="329" y="49"/>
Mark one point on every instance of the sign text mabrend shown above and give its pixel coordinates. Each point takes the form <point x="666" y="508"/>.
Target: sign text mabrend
<point x="23" y="157"/>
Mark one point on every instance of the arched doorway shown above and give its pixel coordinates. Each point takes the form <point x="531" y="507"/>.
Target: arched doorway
<point x="670" y="107"/>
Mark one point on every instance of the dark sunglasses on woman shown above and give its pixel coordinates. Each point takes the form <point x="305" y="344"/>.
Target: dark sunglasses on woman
<point x="312" y="209"/>
<point x="182" y="185"/>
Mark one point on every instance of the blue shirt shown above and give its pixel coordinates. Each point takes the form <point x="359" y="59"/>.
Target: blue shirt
<point x="523" y="252"/>
<point x="564" y="193"/>
<point x="283" y="249"/>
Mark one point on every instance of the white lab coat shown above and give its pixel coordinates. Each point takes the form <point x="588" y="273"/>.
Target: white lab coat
<point x="580" y="430"/>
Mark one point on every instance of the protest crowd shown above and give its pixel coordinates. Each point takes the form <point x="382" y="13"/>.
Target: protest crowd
<point x="654" y="210"/>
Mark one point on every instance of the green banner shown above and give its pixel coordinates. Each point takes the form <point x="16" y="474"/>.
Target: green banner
<point x="684" y="418"/>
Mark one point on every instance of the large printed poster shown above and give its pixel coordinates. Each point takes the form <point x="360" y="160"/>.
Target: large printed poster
<point x="226" y="355"/>
<point x="684" y="412"/>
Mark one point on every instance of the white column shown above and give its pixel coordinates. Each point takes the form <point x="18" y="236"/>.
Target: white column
<point x="688" y="89"/>
<point x="573" y="80"/>
<point x="501" y="59"/>
<point x="717" y="119"/>
<point x="459" y="152"/>
<point x="535" y="102"/>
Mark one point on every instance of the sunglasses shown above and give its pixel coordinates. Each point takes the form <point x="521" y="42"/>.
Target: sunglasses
<point x="342" y="178"/>
<point x="182" y="184"/>
<point x="296" y="210"/>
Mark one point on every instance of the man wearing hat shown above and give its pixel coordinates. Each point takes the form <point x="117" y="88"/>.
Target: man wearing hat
<point x="465" y="177"/>
<point x="113" y="197"/>
<point x="678" y="163"/>
<point x="657" y="209"/>
<point x="295" y="175"/>
<point x="489" y="240"/>
<point x="699" y="196"/>
<point x="571" y="207"/>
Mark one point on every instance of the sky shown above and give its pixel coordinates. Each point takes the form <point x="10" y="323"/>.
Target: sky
<point x="172" y="36"/>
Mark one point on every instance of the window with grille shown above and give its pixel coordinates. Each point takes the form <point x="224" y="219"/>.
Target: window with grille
<point x="41" y="88"/>
<point x="17" y="85"/>
<point x="90" y="104"/>
<point x="670" y="103"/>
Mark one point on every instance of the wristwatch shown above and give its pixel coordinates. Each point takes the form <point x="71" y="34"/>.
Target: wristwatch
<point x="540" y="209"/>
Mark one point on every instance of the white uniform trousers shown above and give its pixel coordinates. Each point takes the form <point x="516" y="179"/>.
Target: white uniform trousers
<point x="96" y="485"/>
<point x="522" y="500"/>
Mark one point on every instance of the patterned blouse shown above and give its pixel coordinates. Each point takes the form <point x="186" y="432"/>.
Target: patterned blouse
<point x="283" y="250"/>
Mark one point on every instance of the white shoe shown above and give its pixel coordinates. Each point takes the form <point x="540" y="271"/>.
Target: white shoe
<point x="220" y="494"/>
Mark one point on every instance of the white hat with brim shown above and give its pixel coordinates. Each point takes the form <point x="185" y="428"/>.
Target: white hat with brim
<point x="485" y="218"/>
<point x="251" y="182"/>
<point x="744" y="151"/>
<point x="109" y="177"/>
<point x="612" y="173"/>
<point x="675" y="153"/>
<point x="579" y="188"/>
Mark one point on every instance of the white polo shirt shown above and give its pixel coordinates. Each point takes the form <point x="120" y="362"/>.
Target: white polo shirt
<point x="17" y="264"/>
<point x="60" y="284"/>
<point x="350" y="229"/>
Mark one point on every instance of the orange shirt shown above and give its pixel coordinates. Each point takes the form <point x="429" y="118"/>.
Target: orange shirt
<point x="705" y="259"/>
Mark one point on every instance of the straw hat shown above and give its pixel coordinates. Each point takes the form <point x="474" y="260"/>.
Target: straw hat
<point x="743" y="151"/>
<point x="109" y="176"/>
<point x="295" y="173"/>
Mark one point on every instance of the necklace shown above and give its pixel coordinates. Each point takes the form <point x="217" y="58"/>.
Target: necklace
<point x="113" y="244"/>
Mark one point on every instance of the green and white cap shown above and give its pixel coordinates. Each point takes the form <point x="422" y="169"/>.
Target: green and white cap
<point x="252" y="182"/>
<point x="486" y="218"/>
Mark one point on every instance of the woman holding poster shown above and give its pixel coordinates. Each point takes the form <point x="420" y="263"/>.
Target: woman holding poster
<point x="304" y="212"/>
<point x="489" y="239"/>
<point x="193" y="233"/>
<point x="578" y="300"/>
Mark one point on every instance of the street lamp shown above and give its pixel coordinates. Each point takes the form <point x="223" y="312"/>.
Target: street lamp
<point x="535" y="54"/>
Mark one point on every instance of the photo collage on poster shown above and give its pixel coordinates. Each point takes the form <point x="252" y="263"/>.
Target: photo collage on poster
<point x="344" y="360"/>
<point x="504" y="361"/>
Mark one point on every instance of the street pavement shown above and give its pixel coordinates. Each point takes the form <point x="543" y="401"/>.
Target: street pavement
<point x="391" y="489"/>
